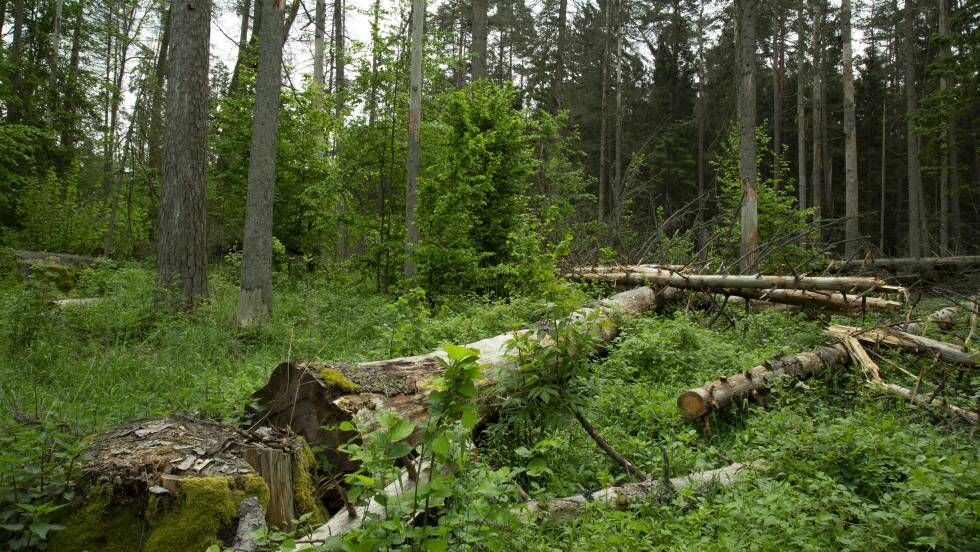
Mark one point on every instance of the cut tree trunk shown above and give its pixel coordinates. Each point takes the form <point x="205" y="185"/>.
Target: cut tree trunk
<point x="921" y="400"/>
<point x="559" y="509"/>
<point x="667" y="277"/>
<point x="727" y="391"/>
<point x="191" y="467"/>
<point x="906" y="341"/>
<point x="74" y="302"/>
<point x="312" y="399"/>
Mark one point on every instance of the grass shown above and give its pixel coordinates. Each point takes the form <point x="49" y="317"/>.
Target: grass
<point x="846" y="469"/>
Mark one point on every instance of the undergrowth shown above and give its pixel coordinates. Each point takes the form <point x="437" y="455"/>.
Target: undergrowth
<point x="843" y="467"/>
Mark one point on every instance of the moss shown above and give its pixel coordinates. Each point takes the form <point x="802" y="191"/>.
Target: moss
<point x="337" y="380"/>
<point x="208" y="506"/>
<point x="303" y="488"/>
<point x="100" y="525"/>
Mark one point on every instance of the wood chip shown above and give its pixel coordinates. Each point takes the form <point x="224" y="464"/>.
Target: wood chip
<point x="158" y="490"/>
<point x="187" y="463"/>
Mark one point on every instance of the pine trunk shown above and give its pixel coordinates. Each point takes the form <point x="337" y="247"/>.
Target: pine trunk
<point x="479" y="43"/>
<point x="917" y="245"/>
<point x="852" y="229"/>
<point x="747" y="145"/>
<point x="181" y="246"/>
<point x="802" y="201"/>
<point x="414" y="124"/>
<point x="255" y="292"/>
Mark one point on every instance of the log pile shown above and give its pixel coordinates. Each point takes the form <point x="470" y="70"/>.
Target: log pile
<point x="847" y="295"/>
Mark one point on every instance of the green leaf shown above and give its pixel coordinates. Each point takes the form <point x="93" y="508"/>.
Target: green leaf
<point x="399" y="450"/>
<point x="457" y="353"/>
<point x="440" y="445"/>
<point x="346" y="426"/>
<point x="401" y="430"/>
<point x="469" y="419"/>
<point x="41" y="529"/>
<point x="436" y="545"/>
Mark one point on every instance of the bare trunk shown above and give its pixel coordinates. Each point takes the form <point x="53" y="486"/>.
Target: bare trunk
<point x="921" y="400"/>
<point x="414" y="124"/>
<point x="802" y="202"/>
<point x="917" y="242"/>
<point x="53" y="59"/>
<point x="748" y="170"/>
<point x="340" y="53"/>
<point x="884" y="175"/>
<point x="944" y="242"/>
<point x="16" y="52"/>
<point x="255" y="292"/>
<point x="730" y="391"/>
<point x="684" y="280"/>
<point x="559" y="76"/>
<point x="916" y="344"/>
<point x="779" y="61"/>
<point x="604" y="115"/>
<point x="617" y="187"/>
<point x="816" y="181"/>
<point x="181" y="246"/>
<point x="478" y="46"/>
<point x="852" y="229"/>
<point x="319" y="44"/>
<point x="68" y="134"/>
<point x="156" y="100"/>
<point x="701" y="231"/>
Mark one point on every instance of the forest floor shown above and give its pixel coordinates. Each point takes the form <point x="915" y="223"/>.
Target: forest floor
<point x="845" y="468"/>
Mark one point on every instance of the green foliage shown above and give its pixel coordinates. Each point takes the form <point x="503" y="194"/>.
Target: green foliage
<point x="471" y="198"/>
<point x="38" y="470"/>
<point x="55" y="217"/>
<point x="784" y="230"/>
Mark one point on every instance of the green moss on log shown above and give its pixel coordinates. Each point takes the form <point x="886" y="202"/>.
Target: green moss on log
<point x="304" y="490"/>
<point x="204" y="508"/>
<point x="337" y="380"/>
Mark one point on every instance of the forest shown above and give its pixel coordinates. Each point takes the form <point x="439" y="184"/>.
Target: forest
<point x="489" y="275"/>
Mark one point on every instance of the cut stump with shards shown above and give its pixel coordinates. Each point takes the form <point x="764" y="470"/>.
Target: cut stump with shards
<point x="177" y="483"/>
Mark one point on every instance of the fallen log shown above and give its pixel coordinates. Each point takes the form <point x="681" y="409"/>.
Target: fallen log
<point x="638" y="275"/>
<point x="834" y="301"/>
<point x="347" y="520"/>
<point x="62" y="259"/>
<point x="72" y="302"/>
<point x="313" y="399"/>
<point x="906" y="341"/>
<point x="919" y="399"/>
<point x="251" y="518"/>
<point x="622" y="496"/>
<point x="727" y="391"/>
<point x="178" y="483"/>
<point x="908" y="263"/>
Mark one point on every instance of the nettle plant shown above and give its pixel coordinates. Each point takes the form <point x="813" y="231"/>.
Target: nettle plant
<point x="459" y="501"/>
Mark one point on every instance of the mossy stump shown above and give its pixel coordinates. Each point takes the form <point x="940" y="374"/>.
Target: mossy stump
<point x="175" y="483"/>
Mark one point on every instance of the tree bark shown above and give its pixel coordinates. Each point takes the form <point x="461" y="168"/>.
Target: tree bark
<point x="559" y="76"/>
<point x="255" y="293"/>
<point x="778" y="74"/>
<point x="182" y="240"/>
<point x="802" y="202"/>
<point x="917" y="242"/>
<point x="154" y="139"/>
<point x="53" y="59"/>
<point x="414" y="128"/>
<point x="728" y="391"/>
<point x="478" y="46"/>
<point x="319" y="44"/>
<point x="906" y="263"/>
<point x="817" y="175"/>
<point x="748" y="171"/>
<point x="16" y="52"/>
<point x="921" y="400"/>
<point x="852" y="230"/>
<point x="660" y="277"/>
<point x="944" y="159"/>
<point x="604" y="114"/>
<point x="701" y="231"/>
<point x="340" y="53"/>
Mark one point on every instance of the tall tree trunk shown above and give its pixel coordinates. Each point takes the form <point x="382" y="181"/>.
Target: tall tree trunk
<point x="801" y="110"/>
<point x="747" y="169"/>
<point x="340" y="62"/>
<point x="778" y="74"/>
<point x="884" y="173"/>
<point x="604" y="115"/>
<point x="16" y="52"/>
<point x="852" y="229"/>
<point x="559" y="75"/>
<point x="255" y="293"/>
<point x="917" y="242"/>
<point x="945" y="146"/>
<point x="816" y="182"/>
<point x="617" y="187"/>
<point x="182" y="242"/>
<point x="319" y="44"/>
<point x="414" y="127"/>
<point x="954" y="188"/>
<point x="701" y="231"/>
<point x="68" y="133"/>
<point x="156" y="100"/>
<point x="478" y="47"/>
<point x="243" y="41"/>
<point x="53" y="60"/>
